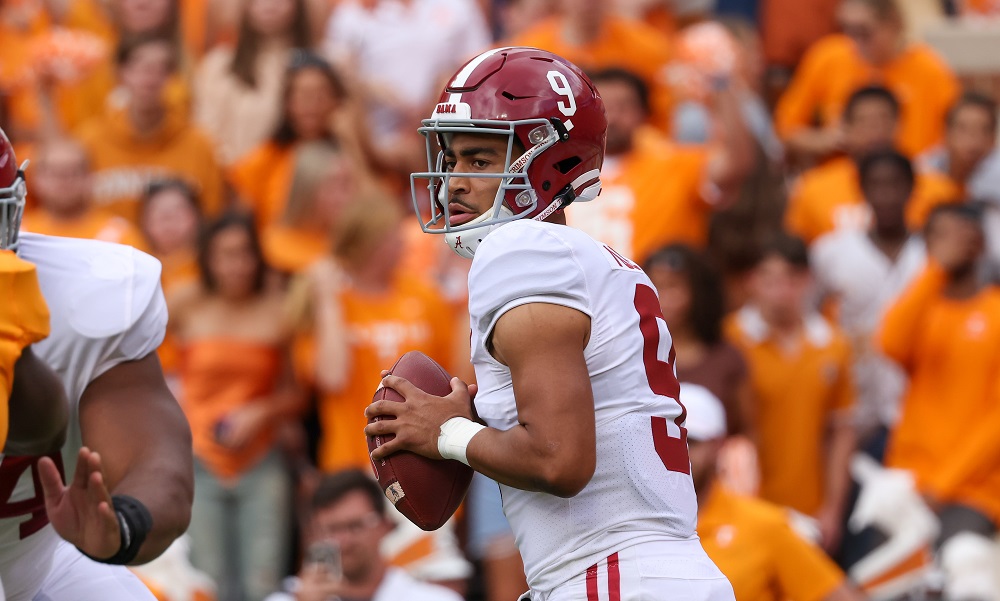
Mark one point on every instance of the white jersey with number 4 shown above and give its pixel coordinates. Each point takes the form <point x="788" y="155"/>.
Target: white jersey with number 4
<point x="106" y="307"/>
<point x="641" y="490"/>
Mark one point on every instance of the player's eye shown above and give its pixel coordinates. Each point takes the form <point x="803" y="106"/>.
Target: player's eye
<point x="480" y="164"/>
<point x="449" y="165"/>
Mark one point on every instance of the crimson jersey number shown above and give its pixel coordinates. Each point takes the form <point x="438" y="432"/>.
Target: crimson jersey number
<point x="673" y="450"/>
<point x="12" y="469"/>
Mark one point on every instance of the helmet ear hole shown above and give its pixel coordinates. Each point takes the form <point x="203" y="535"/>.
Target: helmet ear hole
<point x="546" y="185"/>
<point x="566" y="165"/>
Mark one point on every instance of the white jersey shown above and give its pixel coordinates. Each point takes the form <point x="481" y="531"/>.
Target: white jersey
<point x="641" y="490"/>
<point x="106" y="307"/>
<point x="396" y="585"/>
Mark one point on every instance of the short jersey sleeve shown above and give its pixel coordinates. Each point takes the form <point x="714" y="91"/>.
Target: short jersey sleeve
<point x="145" y="319"/>
<point x="520" y="263"/>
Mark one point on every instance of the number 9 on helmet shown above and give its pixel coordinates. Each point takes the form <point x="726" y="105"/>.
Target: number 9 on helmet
<point x="554" y="122"/>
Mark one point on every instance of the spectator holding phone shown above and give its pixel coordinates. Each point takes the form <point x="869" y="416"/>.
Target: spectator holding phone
<point x="343" y="561"/>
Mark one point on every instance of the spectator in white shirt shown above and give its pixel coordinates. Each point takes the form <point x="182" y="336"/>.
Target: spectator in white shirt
<point x="862" y="272"/>
<point x="344" y="563"/>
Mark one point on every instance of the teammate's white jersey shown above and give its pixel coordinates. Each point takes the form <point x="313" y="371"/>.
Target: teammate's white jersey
<point x="106" y="307"/>
<point x="641" y="490"/>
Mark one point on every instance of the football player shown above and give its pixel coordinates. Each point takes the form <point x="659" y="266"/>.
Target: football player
<point x="32" y="401"/>
<point x="129" y="448"/>
<point x="581" y="423"/>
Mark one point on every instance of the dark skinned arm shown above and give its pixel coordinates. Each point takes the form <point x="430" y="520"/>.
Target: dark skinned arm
<point x="39" y="411"/>
<point x="131" y="419"/>
<point x="553" y="448"/>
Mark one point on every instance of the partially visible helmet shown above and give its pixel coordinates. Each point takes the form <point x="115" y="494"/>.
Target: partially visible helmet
<point x="555" y="126"/>
<point x="12" y="195"/>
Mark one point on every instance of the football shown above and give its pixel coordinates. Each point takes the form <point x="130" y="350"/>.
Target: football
<point x="426" y="491"/>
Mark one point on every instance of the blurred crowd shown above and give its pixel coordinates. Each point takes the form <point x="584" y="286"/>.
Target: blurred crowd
<point x="812" y="188"/>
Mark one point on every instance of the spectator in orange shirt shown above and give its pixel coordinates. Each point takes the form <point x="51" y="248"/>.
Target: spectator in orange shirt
<point x="148" y="138"/>
<point x="65" y="206"/>
<point x="800" y="372"/>
<point x="315" y="108"/>
<point x="752" y="541"/>
<point x="238" y="89"/>
<point x="170" y="219"/>
<point x="655" y="193"/>
<point x="367" y="313"/>
<point x="945" y="333"/>
<point x="237" y="388"/>
<point x="969" y="150"/>
<point x="322" y="184"/>
<point x="589" y="34"/>
<point x="829" y="196"/>
<point x="872" y="50"/>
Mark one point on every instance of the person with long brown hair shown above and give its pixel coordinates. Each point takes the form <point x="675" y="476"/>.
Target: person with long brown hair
<point x="236" y="390"/>
<point x="238" y="89"/>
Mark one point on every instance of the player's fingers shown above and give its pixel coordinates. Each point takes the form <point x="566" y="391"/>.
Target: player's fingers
<point x="52" y="484"/>
<point x="383" y="407"/>
<point x="381" y="428"/>
<point x="82" y="469"/>
<point x="386" y="449"/>
<point x="385" y="372"/>
<point x="400" y="385"/>
<point x="97" y="491"/>
<point x="473" y="391"/>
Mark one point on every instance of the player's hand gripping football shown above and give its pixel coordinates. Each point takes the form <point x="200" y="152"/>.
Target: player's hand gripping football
<point x="81" y="513"/>
<point x="417" y="422"/>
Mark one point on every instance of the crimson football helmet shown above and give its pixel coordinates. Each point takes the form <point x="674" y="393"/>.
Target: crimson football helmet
<point x="554" y="122"/>
<point x="12" y="195"/>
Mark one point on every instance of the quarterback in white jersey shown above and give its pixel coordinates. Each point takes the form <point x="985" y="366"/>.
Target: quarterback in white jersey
<point x="574" y="364"/>
<point x="128" y="452"/>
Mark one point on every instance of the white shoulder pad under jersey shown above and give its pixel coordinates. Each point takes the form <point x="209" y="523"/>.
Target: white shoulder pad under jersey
<point x="106" y="308"/>
<point x="524" y="262"/>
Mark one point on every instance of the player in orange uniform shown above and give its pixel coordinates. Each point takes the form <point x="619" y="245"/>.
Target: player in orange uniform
<point x="36" y="421"/>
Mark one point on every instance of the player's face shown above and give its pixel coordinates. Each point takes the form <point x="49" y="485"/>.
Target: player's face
<point x="470" y="197"/>
<point x="887" y="191"/>
<point x="311" y="102"/>
<point x="872" y="125"/>
<point x="232" y="262"/>
<point x="971" y="135"/>
<point x="146" y="73"/>
<point x="354" y="526"/>
<point x="780" y="289"/>
<point x="955" y="242"/>
<point x="675" y="294"/>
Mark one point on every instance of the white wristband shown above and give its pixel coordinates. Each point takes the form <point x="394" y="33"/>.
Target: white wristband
<point x="456" y="433"/>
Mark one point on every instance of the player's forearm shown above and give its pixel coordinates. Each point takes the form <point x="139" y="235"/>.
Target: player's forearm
<point x="516" y="458"/>
<point x="163" y="481"/>
<point x="842" y="443"/>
